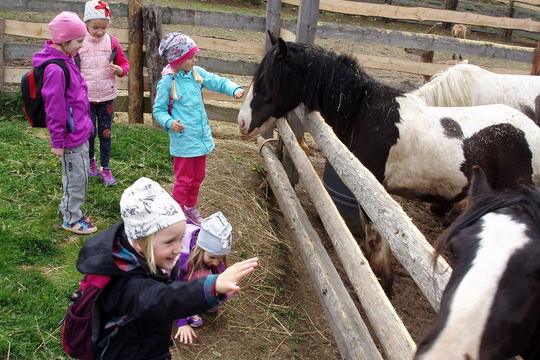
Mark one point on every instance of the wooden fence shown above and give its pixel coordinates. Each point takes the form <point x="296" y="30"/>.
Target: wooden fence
<point x="287" y="28"/>
<point x="408" y="245"/>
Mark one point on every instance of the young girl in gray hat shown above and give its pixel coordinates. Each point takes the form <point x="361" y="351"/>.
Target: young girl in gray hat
<point x="204" y="252"/>
<point x="141" y="255"/>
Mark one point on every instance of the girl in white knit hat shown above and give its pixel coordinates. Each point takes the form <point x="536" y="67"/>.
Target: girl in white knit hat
<point x="102" y="60"/>
<point x="204" y="252"/>
<point x="179" y="108"/>
<point x="141" y="256"/>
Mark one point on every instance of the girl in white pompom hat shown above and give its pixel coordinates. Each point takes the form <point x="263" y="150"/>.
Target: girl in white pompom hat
<point x="102" y="60"/>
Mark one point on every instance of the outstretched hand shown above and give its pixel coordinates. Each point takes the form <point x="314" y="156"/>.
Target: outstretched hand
<point x="227" y="280"/>
<point x="239" y="93"/>
<point x="185" y="334"/>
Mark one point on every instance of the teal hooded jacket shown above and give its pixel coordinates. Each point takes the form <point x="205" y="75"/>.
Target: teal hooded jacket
<point x="196" y="139"/>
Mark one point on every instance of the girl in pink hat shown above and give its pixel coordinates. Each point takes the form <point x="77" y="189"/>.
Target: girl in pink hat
<point x="179" y="108"/>
<point x="65" y="96"/>
<point x="102" y="60"/>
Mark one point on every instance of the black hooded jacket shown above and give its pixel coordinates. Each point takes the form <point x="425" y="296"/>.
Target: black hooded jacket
<point x="151" y="300"/>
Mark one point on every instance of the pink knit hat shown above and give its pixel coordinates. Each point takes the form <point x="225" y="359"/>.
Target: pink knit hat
<point x="177" y="48"/>
<point x="66" y="26"/>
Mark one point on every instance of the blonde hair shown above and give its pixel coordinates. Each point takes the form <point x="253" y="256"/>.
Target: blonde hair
<point x="198" y="78"/>
<point x="195" y="261"/>
<point x="147" y="249"/>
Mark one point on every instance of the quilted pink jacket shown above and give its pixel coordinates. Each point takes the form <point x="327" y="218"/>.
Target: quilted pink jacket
<point x="95" y="56"/>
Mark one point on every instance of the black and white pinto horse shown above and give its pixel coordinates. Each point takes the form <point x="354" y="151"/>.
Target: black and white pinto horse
<point x="470" y="85"/>
<point x="414" y="150"/>
<point x="490" y="309"/>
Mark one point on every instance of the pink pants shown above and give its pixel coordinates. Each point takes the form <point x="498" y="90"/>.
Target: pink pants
<point x="189" y="173"/>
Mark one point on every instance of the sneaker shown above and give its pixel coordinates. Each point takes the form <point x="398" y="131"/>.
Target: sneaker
<point x="215" y="309"/>
<point x="195" y="321"/>
<point x="83" y="226"/>
<point x="107" y="176"/>
<point x="192" y="214"/>
<point x="93" y="171"/>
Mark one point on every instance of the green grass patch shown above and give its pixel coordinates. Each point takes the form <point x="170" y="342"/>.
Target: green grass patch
<point x="37" y="257"/>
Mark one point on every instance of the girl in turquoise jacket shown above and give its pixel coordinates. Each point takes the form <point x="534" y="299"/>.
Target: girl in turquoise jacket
<point x="179" y="108"/>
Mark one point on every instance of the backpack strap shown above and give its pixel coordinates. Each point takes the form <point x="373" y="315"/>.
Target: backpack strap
<point x="62" y="65"/>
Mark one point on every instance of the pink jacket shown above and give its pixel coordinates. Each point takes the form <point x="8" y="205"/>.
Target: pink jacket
<point x="95" y="57"/>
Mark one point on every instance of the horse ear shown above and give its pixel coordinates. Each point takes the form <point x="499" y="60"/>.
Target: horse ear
<point x="282" y="48"/>
<point x="273" y="39"/>
<point x="479" y="183"/>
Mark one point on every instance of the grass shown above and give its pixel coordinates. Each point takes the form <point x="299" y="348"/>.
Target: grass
<point x="37" y="258"/>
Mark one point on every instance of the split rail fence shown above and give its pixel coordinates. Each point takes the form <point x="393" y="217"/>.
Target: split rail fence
<point x="287" y="162"/>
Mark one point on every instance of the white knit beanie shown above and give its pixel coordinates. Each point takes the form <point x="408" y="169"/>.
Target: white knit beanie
<point x="96" y="9"/>
<point x="147" y="208"/>
<point x="215" y="235"/>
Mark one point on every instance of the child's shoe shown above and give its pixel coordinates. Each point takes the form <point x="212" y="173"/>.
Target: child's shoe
<point x="107" y="176"/>
<point x="93" y="170"/>
<point x="83" y="226"/>
<point x="192" y="214"/>
<point x="195" y="321"/>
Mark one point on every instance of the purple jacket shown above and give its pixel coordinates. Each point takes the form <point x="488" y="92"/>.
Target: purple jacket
<point x="64" y="108"/>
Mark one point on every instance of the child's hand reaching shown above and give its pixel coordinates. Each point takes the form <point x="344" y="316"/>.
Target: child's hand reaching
<point x="228" y="279"/>
<point x="239" y="93"/>
<point x="115" y="69"/>
<point x="185" y="334"/>
<point x="177" y="126"/>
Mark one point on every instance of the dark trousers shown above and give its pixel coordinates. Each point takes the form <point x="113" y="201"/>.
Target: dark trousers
<point x="101" y="114"/>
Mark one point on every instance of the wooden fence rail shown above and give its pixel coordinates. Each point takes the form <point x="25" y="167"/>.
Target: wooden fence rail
<point x="387" y="325"/>
<point x="407" y="243"/>
<point x="351" y="334"/>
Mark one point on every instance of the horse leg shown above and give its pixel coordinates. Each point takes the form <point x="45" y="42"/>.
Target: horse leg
<point x="378" y="254"/>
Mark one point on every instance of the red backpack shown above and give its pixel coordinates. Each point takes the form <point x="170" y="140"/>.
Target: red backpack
<point x="83" y="327"/>
<point x="31" y="84"/>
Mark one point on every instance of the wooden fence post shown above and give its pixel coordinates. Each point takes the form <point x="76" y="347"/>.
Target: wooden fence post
<point x="273" y="21"/>
<point x="535" y="69"/>
<point x="306" y="28"/>
<point x="1" y="55"/>
<point x="450" y="5"/>
<point x="152" y="37"/>
<point x="135" y="55"/>
<point x="507" y="33"/>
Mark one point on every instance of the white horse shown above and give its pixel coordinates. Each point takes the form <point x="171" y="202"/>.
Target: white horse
<point x="470" y="85"/>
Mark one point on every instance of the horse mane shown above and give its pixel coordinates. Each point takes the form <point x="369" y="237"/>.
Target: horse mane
<point x="451" y="87"/>
<point x="333" y="84"/>
<point x="525" y="197"/>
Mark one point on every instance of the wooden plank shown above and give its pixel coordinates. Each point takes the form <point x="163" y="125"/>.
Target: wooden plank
<point x="423" y="14"/>
<point x="425" y="42"/>
<point x="41" y="30"/>
<point x="135" y="76"/>
<point x="235" y="67"/>
<point x="57" y="6"/>
<point x="287" y="35"/>
<point x="386" y="323"/>
<point x="351" y="334"/>
<point x="220" y="19"/>
<point x="414" y="67"/>
<point x="273" y="20"/>
<point x="408" y="245"/>
<point x="306" y="28"/>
